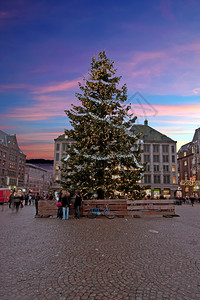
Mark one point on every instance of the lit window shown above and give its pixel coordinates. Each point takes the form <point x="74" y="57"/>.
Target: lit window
<point x="174" y="179"/>
<point x="173" y="168"/>
<point x="185" y="163"/>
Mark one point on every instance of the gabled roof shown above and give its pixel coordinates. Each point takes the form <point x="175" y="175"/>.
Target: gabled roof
<point x="3" y="138"/>
<point x="149" y="134"/>
<point x="185" y="147"/>
<point x="6" y="139"/>
<point x="63" y="137"/>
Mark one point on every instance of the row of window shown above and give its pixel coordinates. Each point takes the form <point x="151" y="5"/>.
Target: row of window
<point x="156" y="148"/>
<point x="157" y="179"/>
<point x="156" y="158"/>
<point x="64" y="147"/>
<point x="156" y="168"/>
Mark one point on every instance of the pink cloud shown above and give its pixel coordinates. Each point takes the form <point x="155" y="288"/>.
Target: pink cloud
<point x="62" y="86"/>
<point x="166" y="110"/>
<point x="171" y="71"/>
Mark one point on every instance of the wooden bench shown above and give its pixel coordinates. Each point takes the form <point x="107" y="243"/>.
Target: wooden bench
<point x="117" y="206"/>
<point x="150" y="207"/>
<point x="48" y="208"/>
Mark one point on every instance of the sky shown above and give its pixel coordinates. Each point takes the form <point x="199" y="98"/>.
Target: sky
<point x="47" y="47"/>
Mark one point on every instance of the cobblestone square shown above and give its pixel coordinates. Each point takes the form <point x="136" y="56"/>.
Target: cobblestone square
<point x="124" y="258"/>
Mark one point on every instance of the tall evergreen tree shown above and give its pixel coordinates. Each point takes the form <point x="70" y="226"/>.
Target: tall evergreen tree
<point x="105" y="158"/>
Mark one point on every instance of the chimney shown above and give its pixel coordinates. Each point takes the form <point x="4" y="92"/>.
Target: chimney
<point x="146" y="122"/>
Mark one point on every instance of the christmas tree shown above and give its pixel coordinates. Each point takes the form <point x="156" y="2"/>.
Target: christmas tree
<point x="105" y="158"/>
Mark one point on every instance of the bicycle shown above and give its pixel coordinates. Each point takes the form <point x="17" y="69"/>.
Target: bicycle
<point x="97" y="211"/>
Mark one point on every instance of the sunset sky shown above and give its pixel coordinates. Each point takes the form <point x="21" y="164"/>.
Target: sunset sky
<point x="47" y="46"/>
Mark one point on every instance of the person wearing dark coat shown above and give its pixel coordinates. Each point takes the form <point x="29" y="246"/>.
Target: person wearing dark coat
<point x="37" y="198"/>
<point x="65" y="199"/>
<point x="77" y="204"/>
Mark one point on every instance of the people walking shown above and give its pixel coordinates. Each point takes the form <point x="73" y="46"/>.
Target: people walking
<point x="192" y="199"/>
<point x="17" y="201"/>
<point x="11" y="200"/>
<point x="77" y="204"/>
<point x="65" y="198"/>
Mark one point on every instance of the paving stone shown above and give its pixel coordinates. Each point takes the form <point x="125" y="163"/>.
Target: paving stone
<point x="43" y="258"/>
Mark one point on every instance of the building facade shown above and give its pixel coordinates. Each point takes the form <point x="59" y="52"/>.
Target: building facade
<point x="37" y="179"/>
<point x="189" y="167"/>
<point x="60" y="146"/>
<point x="159" y="153"/>
<point x="12" y="162"/>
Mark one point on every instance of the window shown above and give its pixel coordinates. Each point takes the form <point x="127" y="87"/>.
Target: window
<point x="57" y="166"/>
<point x="173" y="168"/>
<point x="57" y="147"/>
<point x="147" y="168"/>
<point x="185" y="163"/>
<point x="165" y="168"/>
<point x="146" y="158"/>
<point x="173" y="158"/>
<point x="57" y="156"/>
<point x="185" y="174"/>
<point x="165" y="148"/>
<point x="64" y="146"/>
<point x="174" y="179"/>
<point x="165" y="158"/>
<point x="155" y="148"/>
<point x="156" y="168"/>
<point x="147" y="178"/>
<point x="184" y="153"/>
<point x="156" y="178"/>
<point x="146" y="148"/>
<point x="166" y="179"/>
<point x="173" y="149"/>
<point x="56" y="177"/>
<point x="156" y="158"/>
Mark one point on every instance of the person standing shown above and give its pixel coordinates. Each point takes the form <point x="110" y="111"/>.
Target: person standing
<point x="65" y="198"/>
<point x="37" y="198"/>
<point x="77" y="204"/>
